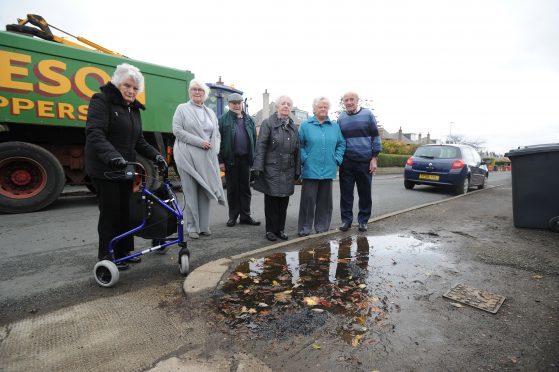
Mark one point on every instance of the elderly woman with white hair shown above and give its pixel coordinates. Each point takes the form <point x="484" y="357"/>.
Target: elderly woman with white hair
<point x="322" y="151"/>
<point x="195" y="151"/>
<point x="277" y="166"/>
<point x="113" y="135"/>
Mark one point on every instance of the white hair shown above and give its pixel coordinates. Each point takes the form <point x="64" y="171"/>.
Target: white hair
<point x="282" y="98"/>
<point x="317" y="101"/>
<point x="126" y="71"/>
<point x="199" y="84"/>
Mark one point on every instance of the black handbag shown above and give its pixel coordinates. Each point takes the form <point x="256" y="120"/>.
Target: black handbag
<point x="160" y="222"/>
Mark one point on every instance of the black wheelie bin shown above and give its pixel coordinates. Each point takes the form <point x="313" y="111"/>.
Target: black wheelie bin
<point x="535" y="186"/>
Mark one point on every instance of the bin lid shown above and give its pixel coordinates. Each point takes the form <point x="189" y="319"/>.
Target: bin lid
<point x="534" y="149"/>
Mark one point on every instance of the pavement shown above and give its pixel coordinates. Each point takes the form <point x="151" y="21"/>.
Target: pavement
<point x="467" y="240"/>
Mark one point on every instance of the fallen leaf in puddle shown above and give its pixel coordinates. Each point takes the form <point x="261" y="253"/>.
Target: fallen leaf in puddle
<point x="256" y="281"/>
<point x="537" y="277"/>
<point x="356" y="340"/>
<point x="284" y="296"/>
<point x="456" y="304"/>
<point x="311" y="301"/>
<point x="241" y="275"/>
<point x="325" y="303"/>
<point x="318" y="310"/>
<point x="315" y="346"/>
<point x="252" y="311"/>
<point x="362" y="286"/>
<point x="514" y="360"/>
<point x="263" y="304"/>
<point x="275" y="283"/>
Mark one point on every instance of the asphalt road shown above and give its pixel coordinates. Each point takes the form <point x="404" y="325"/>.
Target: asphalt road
<point x="48" y="256"/>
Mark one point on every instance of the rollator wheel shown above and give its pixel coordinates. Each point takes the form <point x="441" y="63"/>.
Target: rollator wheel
<point x="184" y="261"/>
<point x="554" y="224"/>
<point x="106" y="273"/>
<point x="156" y="242"/>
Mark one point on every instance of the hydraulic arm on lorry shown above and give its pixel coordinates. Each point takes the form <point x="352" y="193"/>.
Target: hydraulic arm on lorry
<point x="43" y="31"/>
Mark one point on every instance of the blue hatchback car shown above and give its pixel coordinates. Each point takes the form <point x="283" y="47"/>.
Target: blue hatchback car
<point x="456" y="166"/>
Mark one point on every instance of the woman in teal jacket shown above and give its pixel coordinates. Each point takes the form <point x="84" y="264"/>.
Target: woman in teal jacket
<point x="322" y="151"/>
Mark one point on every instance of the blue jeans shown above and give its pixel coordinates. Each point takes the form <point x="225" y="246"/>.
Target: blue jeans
<point x="355" y="173"/>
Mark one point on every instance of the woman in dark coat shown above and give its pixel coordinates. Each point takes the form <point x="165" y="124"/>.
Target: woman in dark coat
<point x="113" y="135"/>
<point x="277" y="165"/>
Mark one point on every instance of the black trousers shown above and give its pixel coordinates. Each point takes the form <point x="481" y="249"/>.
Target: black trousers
<point x="275" y="209"/>
<point x="114" y="216"/>
<point x="351" y="174"/>
<point x="237" y="177"/>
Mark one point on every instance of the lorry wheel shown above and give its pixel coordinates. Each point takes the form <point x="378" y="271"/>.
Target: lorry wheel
<point x="152" y="177"/>
<point x="30" y="177"/>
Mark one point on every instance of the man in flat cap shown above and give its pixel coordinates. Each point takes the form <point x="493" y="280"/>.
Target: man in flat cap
<point x="236" y="155"/>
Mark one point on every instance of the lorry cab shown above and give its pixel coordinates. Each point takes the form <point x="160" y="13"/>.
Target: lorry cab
<point x="217" y="101"/>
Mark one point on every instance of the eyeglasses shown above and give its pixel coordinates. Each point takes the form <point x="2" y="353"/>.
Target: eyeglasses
<point x="196" y="89"/>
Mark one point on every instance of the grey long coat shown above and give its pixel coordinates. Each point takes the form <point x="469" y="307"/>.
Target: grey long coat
<point x="190" y="157"/>
<point x="277" y="157"/>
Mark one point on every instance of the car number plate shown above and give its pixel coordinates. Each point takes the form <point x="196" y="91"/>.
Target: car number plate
<point x="432" y="177"/>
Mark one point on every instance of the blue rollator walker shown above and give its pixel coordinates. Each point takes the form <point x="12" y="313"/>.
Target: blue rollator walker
<point x="157" y="215"/>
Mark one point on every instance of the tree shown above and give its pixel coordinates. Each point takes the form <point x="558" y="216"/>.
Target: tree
<point x="477" y="143"/>
<point x="363" y="102"/>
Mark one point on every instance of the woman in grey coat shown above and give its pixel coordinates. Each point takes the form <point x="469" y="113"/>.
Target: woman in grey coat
<point x="195" y="151"/>
<point x="277" y="165"/>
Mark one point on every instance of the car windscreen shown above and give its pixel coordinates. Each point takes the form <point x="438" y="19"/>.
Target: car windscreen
<point x="438" y="152"/>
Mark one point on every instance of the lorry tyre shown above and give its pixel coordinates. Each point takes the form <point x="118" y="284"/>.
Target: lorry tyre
<point x="152" y="177"/>
<point x="31" y="177"/>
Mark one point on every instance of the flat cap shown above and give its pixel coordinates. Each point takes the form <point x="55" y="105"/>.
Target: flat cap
<point x="234" y="97"/>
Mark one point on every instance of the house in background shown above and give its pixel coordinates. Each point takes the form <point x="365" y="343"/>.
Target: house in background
<point x="407" y="138"/>
<point x="298" y="115"/>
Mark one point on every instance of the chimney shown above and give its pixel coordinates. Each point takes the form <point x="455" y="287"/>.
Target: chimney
<point x="265" y="104"/>
<point x="400" y="135"/>
<point x="419" y="138"/>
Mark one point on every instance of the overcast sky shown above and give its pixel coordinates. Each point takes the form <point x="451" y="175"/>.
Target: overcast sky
<point x="487" y="70"/>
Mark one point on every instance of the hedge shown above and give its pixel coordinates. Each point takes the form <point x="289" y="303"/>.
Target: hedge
<point x="392" y="160"/>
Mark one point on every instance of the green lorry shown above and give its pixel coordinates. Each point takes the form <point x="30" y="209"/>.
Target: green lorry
<point x="45" y="89"/>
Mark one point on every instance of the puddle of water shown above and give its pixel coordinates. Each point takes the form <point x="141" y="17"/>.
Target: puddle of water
<point x="344" y="277"/>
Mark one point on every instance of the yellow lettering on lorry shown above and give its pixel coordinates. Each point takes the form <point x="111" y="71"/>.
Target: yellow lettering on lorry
<point x="9" y="70"/>
<point x="4" y="102"/>
<point x="80" y="86"/>
<point x="66" y="110"/>
<point x="19" y="104"/>
<point x="45" y="109"/>
<point x="50" y="71"/>
<point x="82" y="112"/>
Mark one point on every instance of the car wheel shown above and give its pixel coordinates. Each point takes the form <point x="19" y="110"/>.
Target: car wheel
<point x="409" y="184"/>
<point x="463" y="187"/>
<point x="483" y="184"/>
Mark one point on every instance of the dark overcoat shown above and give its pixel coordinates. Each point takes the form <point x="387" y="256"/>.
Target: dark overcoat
<point x="113" y="129"/>
<point x="277" y="157"/>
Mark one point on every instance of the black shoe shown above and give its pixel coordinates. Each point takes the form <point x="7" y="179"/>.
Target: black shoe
<point x="282" y="235"/>
<point x="231" y="222"/>
<point x="136" y="259"/>
<point x="123" y="265"/>
<point x="346" y="226"/>
<point x="271" y="236"/>
<point x="362" y="227"/>
<point x="302" y="234"/>
<point x="250" y="221"/>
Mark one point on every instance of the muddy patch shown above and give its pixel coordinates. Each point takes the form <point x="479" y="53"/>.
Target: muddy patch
<point x="346" y="284"/>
